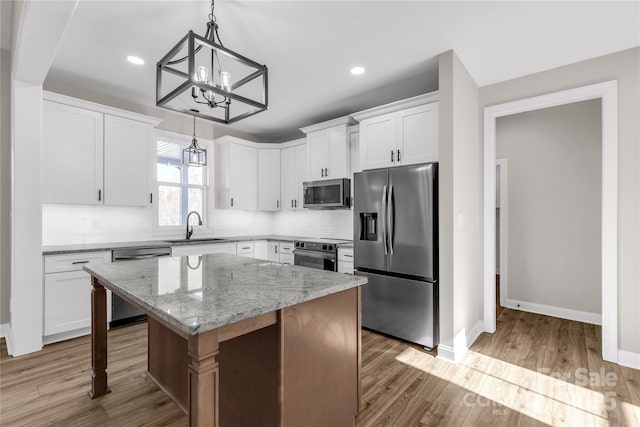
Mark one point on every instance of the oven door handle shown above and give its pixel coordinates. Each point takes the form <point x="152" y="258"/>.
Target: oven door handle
<point x="314" y="254"/>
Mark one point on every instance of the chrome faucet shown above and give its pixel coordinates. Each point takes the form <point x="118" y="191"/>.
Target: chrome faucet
<point x="190" y="228"/>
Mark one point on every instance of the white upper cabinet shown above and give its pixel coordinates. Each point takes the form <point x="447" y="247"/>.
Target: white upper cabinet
<point x="294" y="173"/>
<point x="236" y="174"/>
<point x="418" y="134"/>
<point x="269" y="179"/>
<point x="94" y="154"/>
<point x="381" y="140"/>
<point x="318" y="149"/>
<point x="126" y="162"/>
<point x="328" y="150"/>
<point x="401" y="133"/>
<point x="72" y="155"/>
<point x="354" y="146"/>
<point x="302" y="175"/>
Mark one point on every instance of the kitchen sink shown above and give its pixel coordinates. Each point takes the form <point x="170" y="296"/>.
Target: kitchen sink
<point x="196" y="240"/>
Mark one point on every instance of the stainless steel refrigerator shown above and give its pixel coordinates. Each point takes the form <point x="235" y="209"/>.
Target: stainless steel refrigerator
<point x="396" y="248"/>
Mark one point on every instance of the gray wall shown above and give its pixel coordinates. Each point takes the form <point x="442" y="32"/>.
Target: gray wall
<point x="460" y="210"/>
<point x="554" y="185"/>
<point x="624" y="67"/>
<point x="5" y="185"/>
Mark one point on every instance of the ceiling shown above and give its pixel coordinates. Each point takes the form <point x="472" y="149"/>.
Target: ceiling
<point x="309" y="47"/>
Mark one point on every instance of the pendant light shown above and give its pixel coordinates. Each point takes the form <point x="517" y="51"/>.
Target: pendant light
<point x="193" y="155"/>
<point x="201" y="70"/>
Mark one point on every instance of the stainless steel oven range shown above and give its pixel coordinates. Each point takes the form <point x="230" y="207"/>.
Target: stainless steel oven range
<point x="318" y="253"/>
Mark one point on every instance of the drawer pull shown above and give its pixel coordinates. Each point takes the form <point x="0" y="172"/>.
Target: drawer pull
<point x="80" y="262"/>
<point x="348" y="256"/>
<point x="246" y="247"/>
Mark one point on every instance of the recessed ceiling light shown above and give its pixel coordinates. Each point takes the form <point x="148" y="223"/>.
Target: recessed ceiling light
<point x="356" y="71"/>
<point x="135" y="60"/>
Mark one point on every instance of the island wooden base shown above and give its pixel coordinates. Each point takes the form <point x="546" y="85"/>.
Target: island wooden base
<point x="297" y="366"/>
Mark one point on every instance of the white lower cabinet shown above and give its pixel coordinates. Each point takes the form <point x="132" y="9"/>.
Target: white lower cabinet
<point x="244" y="249"/>
<point x="67" y="295"/>
<point x="261" y="250"/>
<point x="273" y="249"/>
<point x="216" y="248"/>
<point x="286" y="252"/>
<point x="345" y="260"/>
<point x="67" y="302"/>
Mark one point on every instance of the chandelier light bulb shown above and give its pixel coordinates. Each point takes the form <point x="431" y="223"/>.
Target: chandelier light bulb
<point x="225" y="79"/>
<point x="202" y="73"/>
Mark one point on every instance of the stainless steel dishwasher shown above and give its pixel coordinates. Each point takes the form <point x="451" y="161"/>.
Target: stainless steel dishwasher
<point x="123" y="313"/>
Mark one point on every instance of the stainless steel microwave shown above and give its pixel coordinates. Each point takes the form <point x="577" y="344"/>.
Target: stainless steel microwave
<point x="328" y="194"/>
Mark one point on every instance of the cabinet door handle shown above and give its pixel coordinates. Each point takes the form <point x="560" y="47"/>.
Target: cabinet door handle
<point x="80" y="262"/>
<point x="295" y="203"/>
<point x="326" y="172"/>
<point x="99" y="195"/>
<point x="321" y="172"/>
<point x="232" y="202"/>
<point x="391" y="156"/>
<point x="275" y="249"/>
<point x="291" y="203"/>
<point x="398" y="155"/>
<point x="151" y="198"/>
<point x="277" y="204"/>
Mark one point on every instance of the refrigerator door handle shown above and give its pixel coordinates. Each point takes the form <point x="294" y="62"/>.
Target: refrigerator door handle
<point x="390" y="218"/>
<point x="384" y="219"/>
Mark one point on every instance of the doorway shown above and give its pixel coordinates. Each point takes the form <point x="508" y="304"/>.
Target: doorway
<point x="607" y="93"/>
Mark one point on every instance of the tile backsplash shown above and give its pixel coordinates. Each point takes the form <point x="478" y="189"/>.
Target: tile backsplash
<point x="337" y="224"/>
<point x="72" y="224"/>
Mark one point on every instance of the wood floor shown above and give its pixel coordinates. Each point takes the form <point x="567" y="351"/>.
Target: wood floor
<point x="530" y="372"/>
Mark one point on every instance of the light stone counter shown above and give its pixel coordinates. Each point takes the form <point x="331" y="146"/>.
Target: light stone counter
<point x="196" y="239"/>
<point x="201" y="293"/>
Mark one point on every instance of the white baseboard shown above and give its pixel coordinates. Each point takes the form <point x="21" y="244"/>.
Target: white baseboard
<point x="4" y="330"/>
<point x="446" y="353"/>
<point x="50" y="339"/>
<point x="461" y="344"/>
<point x="474" y="333"/>
<point x="548" y="310"/>
<point x="629" y="359"/>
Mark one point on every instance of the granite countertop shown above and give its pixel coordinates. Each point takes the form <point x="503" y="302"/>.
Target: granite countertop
<point x="200" y="293"/>
<point x="203" y="240"/>
<point x="95" y="247"/>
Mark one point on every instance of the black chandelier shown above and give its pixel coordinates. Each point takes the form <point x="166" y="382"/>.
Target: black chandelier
<point x="194" y="155"/>
<point x="199" y="70"/>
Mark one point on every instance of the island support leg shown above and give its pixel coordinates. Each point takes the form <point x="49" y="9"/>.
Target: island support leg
<point x="99" y="385"/>
<point x="203" y="380"/>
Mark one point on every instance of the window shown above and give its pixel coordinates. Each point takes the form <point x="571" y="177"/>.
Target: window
<point x="181" y="189"/>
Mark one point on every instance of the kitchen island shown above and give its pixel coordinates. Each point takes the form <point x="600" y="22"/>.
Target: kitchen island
<point x="237" y="341"/>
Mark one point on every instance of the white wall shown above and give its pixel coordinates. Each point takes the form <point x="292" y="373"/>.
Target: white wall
<point x="71" y="224"/>
<point x="554" y="158"/>
<point x="461" y="218"/>
<point x="75" y="224"/>
<point x="337" y="224"/>
<point x="624" y="67"/>
<point x="5" y="186"/>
